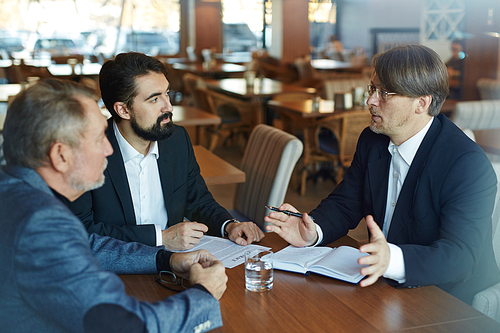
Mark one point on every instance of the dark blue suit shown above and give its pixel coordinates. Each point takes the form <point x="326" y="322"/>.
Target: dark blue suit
<point x="109" y="210"/>
<point x="442" y="219"/>
<point x="53" y="280"/>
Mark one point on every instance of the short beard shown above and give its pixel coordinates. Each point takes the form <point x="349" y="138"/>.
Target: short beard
<point x="157" y="132"/>
<point x="77" y="183"/>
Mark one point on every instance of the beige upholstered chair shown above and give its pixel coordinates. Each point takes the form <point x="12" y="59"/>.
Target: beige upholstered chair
<point x="488" y="300"/>
<point x="477" y="115"/>
<point x="488" y="88"/>
<point x="268" y="162"/>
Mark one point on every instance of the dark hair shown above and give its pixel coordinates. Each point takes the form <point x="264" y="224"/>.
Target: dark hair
<point x="117" y="78"/>
<point x="48" y="112"/>
<point x="413" y="71"/>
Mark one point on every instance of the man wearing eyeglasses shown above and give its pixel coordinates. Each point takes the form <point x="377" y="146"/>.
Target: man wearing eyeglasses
<point x="54" y="277"/>
<point x="426" y="190"/>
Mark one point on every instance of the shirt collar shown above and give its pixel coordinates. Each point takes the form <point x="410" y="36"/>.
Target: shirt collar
<point x="129" y="152"/>
<point x="408" y="149"/>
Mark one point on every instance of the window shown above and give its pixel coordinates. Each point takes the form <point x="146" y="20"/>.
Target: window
<point x="94" y="27"/>
<point x="243" y="25"/>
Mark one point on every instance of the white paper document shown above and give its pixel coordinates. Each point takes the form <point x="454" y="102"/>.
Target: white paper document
<point x="230" y="253"/>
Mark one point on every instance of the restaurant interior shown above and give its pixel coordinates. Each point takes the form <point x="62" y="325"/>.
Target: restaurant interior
<point x="301" y="66"/>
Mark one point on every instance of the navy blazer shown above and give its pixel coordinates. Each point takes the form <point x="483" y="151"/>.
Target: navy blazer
<point x="442" y="219"/>
<point x="109" y="211"/>
<point x="54" y="278"/>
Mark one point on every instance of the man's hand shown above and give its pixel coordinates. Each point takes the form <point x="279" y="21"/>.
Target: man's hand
<point x="183" y="236"/>
<point x="296" y="231"/>
<point x="244" y="233"/>
<point x="379" y="257"/>
<point x="213" y="277"/>
<point x="181" y="263"/>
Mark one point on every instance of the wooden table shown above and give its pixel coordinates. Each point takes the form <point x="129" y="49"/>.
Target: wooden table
<point x="330" y="65"/>
<point x="66" y="70"/>
<point x="7" y="90"/>
<point x="315" y="303"/>
<point x="191" y="116"/>
<point x="261" y="91"/>
<point x="218" y="71"/>
<point x="298" y="116"/>
<point x="262" y="88"/>
<point x="215" y="170"/>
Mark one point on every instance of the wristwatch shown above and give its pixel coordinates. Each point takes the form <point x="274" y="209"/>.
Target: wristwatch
<point x="227" y="223"/>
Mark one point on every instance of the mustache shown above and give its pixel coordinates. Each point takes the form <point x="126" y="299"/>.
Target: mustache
<point x="166" y="115"/>
<point x="372" y="111"/>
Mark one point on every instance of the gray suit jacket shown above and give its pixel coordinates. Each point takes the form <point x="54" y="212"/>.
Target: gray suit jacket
<point x="52" y="280"/>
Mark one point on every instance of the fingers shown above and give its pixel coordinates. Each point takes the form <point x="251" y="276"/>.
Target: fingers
<point x="213" y="278"/>
<point x="183" y="236"/>
<point x="245" y="233"/>
<point x="196" y="226"/>
<point x="368" y="281"/>
<point x="287" y="206"/>
<point x="375" y="231"/>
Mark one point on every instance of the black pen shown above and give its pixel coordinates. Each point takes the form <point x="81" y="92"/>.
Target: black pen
<point x="287" y="212"/>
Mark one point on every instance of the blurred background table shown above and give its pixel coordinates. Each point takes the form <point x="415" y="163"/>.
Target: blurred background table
<point x="215" y="170"/>
<point x="191" y="116"/>
<point x="218" y="71"/>
<point x="334" y="65"/>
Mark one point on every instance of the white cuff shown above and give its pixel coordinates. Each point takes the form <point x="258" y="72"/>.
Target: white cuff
<point x="159" y="241"/>
<point x="320" y="235"/>
<point x="396" y="269"/>
<point x="223" y="228"/>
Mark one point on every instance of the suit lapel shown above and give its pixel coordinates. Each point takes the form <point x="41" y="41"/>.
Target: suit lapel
<point x="378" y="183"/>
<point x="116" y="174"/>
<point x="404" y="207"/>
<point x="166" y="172"/>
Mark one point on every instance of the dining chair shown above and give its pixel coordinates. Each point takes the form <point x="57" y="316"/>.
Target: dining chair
<point x="278" y="121"/>
<point x="488" y="301"/>
<point x="191" y="81"/>
<point x="336" y="138"/>
<point x="238" y="117"/>
<point x="268" y="162"/>
<point x="488" y="88"/>
<point x="477" y="115"/>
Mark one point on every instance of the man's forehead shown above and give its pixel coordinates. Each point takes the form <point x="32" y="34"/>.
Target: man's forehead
<point x="150" y="83"/>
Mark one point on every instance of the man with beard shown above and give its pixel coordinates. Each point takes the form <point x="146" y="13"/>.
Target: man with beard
<point x="153" y="181"/>
<point x="426" y="190"/>
<point x="54" y="276"/>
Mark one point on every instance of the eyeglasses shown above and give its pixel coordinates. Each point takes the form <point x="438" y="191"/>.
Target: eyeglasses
<point x="381" y="94"/>
<point x="172" y="282"/>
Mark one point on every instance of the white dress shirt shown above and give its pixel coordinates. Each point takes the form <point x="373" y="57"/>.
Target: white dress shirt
<point x="397" y="174"/>
<point x="144" y="183"/>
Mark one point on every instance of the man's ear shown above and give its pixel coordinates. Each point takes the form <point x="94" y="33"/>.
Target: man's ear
<point x="61" y="156"/>
<point x="122" y="110"/>
<point x="424" y="102"/>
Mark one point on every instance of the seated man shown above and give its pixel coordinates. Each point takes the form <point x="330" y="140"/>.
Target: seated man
<point x="153" y="180"/>
<point x="427" y="191"/>
<point x="55" y="278"/>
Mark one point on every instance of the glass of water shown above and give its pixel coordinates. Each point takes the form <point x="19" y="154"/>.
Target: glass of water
<point x="259" y="271"/>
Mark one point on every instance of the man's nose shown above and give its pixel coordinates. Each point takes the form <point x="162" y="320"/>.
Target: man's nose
<point x="373" y="99"/>
<point x="108" y="149"/>
<point x="167" y="104"/>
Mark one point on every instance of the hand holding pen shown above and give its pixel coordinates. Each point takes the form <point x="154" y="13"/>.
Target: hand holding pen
<point x="298" y="232"/>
